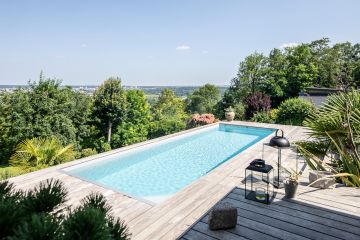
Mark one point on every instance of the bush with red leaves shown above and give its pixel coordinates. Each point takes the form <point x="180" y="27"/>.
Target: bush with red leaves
<point x="200" y="120"/>
<point x="257" y="102"/>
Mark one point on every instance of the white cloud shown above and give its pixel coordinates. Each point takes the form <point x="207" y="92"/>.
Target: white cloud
<point x="205" y="52"/>
<point x="182" y="48"/>
<point x="84" y="45"/>
<point x="289" y="45"/>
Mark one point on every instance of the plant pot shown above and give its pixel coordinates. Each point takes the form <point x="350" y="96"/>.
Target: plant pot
<point x="290" y="188"/>
<point x="323" y="183"/>
<point x="229" y="116"/>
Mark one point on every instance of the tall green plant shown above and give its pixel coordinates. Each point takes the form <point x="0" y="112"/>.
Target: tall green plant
<point x="337" y="126"/>
<point x="338" y="119"/>
<point x="41" y="152"/>
<point x="109" y="107"/>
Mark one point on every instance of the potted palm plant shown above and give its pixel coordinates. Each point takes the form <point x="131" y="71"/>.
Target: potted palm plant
<point x="229" y="114"/>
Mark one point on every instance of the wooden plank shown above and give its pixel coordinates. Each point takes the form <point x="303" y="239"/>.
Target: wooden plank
<point x="329" y="222"/>
<point x="170" y="221"/>
<point x="314" y="209"/>
<point x="244" y="231"/>
<point x="289" y="223"/>
<point x="257" y="230"/>
<point x="218" y="234"/>
<point x="325" y="194"/>
<point x="195" y="235"/>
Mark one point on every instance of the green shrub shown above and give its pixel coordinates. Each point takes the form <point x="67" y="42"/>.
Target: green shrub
<point x="274" y="113"/>
<point x="293" y="111"/>
<point x="40" y="214"/>
<point x="239" y="110"/>
<point x="166" y="126"/>
<point x="262" y="117"/>
<point x="87" y="152"/>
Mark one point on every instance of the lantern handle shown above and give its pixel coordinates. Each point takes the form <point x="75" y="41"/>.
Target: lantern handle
<point x="282" y="132"/>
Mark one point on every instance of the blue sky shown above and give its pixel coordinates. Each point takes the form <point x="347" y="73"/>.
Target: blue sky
<point x="158" y="42"/>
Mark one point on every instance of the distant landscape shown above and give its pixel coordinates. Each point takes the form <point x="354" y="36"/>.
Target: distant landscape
<point x="150" y="91"/>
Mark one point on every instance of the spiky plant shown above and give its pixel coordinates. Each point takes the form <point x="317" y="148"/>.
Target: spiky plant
<point x="39" y="214"/>
<point x="337" y="126"/>
<point x="338" y="118"/>
<point x="41" y="152"/>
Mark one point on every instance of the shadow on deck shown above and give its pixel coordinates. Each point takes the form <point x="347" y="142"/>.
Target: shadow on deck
<point x="310" y="216"/>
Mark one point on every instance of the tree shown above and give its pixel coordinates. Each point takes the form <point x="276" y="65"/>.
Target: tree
<point x="275" y="81"/>
<point x="169" y="115"/>
<point x="349" y="61"/>
<point x="301" y="70"/>
<point x="250" y="79"/>
<point x="41" y="152"/>
<point x="251" y="72"/>
<point x="326" y="60"/>
<point x="44" y="109"/>
<point x="203" y="100"/>
<point x="135" y="126"/>
<point x="109" y="107"/>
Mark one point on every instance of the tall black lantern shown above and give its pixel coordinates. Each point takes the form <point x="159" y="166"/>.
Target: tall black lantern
<point x="259" y="183"/>
<point x="280" y="143"/>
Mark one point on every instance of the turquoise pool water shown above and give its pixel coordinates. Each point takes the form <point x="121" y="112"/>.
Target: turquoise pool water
<point x="157" y="171"/>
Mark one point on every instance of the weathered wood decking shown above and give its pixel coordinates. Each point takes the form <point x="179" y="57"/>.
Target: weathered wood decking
<point x="168" y="220"/>
<point x="322" y="214"/>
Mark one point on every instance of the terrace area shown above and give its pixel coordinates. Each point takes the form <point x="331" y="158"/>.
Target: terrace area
<point x="314" y="214"/>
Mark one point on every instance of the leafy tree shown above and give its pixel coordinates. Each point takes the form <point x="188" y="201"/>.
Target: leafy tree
<point x="203" y="100"/>
<point x="349" y="58"/>
<point x="275" y="81"/>
<point x="169" y="115"/>
<point x="249" y="77"/>
<point x="135" y="126"/>
<point x="301" y="70"/>
<point x="326" y="61"/>
<point x="41" y="152"/>
<point x="44" y="109"/>
<point x="109" y="107"/>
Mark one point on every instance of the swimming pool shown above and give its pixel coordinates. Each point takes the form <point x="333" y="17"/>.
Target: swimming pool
<point x="158" y="170"/>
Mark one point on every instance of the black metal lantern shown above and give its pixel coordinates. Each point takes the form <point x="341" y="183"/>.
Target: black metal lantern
<point x="280" y="143"/>
<point x="259" y="183"/>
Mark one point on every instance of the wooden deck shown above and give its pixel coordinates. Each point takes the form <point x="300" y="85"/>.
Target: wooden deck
<point x="320" y="214"/>
<point x="170" y="219"/>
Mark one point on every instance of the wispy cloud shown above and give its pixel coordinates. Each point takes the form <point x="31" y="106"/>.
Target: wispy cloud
<point x="289" y="45"/>
<point x="182" y="48"/>
<point x="204" y="51"/>
<point x="84" y="45"/>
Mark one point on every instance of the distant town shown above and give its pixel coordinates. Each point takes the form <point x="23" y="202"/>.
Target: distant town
<point x="181" y="91"/>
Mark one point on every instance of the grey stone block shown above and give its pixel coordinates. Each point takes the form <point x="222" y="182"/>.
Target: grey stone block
<point x="323" y="183"/>
<point x="222" y="216"/>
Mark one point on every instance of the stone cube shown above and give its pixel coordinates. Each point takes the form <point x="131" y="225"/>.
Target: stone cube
<point x="222" y="216"/>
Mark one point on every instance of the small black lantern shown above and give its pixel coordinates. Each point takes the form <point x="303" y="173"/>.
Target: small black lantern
<point x="259" y="182"/>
